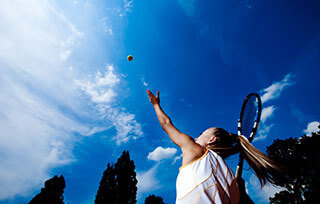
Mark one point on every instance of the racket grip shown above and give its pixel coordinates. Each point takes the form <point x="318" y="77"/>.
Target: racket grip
<point x="238" y="172"/>
<point x="239" y="167"/>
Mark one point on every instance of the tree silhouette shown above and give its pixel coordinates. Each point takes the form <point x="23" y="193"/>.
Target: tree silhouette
<point x="108" y="189"/>
<point x="118" y="184"/>
<point x="126" y="179"/>
<point x="301" y="156"/>
<point x="52" y="193"/>
<point x="152" y="199"/>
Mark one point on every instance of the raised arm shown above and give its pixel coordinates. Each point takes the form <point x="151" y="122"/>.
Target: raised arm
<point x="185" y="142"/>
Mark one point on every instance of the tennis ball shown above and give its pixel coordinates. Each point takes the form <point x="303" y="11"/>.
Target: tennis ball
<point x="130" y="58"/>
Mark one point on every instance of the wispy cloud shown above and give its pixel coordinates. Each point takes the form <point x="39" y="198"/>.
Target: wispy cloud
<point x="125" y="8"/>
<point x="106" y="25"/>
<point x="273" y="92"/>
<point x="267" y="113"/>
<point x="147" y="181"/>
<point x="41" y="108"/>
<point x="161" y="153"/>
<point x="312" y="127"/>
<point x="177" y="158"/>
<point x="261" y="195"/>
<point x="36" y="133"/>
<point x="263" y="132"/>
<point x="264" y="127"/>
<point x="101" y="91"/>
<point x="144" y="81"/>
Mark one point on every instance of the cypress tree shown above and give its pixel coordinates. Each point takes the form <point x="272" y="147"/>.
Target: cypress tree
<point x="52" y="193"/>
<point x="118" y="184"/>
<point x="108" y="188"/>
<point x="126" y="179"/>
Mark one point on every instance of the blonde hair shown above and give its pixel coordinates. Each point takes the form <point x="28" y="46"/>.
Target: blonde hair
<point x="228" y="144"/>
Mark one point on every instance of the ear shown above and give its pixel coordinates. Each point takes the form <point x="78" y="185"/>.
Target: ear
<point x="212" y="140"/>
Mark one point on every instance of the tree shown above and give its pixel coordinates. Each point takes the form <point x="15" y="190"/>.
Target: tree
<point x="118" y="184"/>
<point x="108" y="189"/>
<point x="301" y="157"/>
<point x="152" y="199"/>
<point x="126" y="179"/>
<point x="52" y="193"/>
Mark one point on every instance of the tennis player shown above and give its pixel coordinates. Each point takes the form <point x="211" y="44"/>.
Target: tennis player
<point x="204" y="177"/>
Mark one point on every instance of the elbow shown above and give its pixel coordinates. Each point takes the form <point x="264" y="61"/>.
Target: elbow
<point x="165" y="123"/>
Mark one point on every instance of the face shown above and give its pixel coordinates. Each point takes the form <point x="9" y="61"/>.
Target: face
<point x="206" y="137"/>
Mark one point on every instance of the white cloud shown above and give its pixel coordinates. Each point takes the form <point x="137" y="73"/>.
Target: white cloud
<point x="101" y="91"/>
<point x="161" y="153"/>
<point x="144" y="81"/>
<point x="65" y="55"/>
<point x="126" y="125"/>
<point x="35" y="132"/>
<point x="40" y="105"/>
<point x="267" y="113"/>
<point x="271" y="93"/>
<point x="147" y="181"/>
<point x="274" y="91"/>
<point x="125" y="8"/>
<point x="261" y="195"/>
<point x="263" y="132"/>
<point x="106" y="25"/>
<point x="177" y="158"/>
<point x="312" y="127"/>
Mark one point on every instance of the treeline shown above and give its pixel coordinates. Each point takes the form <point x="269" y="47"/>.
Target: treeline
<point x="118" y="185"/>
<point x="300" y="156"/>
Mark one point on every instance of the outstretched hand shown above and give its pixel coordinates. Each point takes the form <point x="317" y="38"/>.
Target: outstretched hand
<point x="153" y="99"/>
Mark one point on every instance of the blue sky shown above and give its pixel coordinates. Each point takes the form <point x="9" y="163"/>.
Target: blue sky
<point x="71" y="102"/>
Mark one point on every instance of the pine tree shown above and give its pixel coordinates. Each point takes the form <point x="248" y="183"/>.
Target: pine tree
<point x="108" y="189"/>
<point x="52" y="193"/>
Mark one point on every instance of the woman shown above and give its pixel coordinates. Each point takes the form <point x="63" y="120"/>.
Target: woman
<point x="204" y="177"/>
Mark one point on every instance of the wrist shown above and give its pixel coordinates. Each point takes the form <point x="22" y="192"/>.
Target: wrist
<point x="156" y="104"/>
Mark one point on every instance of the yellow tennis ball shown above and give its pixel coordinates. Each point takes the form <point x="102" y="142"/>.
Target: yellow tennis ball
<point x="130" y="58"/>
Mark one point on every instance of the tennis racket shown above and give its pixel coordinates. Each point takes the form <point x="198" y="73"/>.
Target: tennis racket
<point x="249" y="122"/>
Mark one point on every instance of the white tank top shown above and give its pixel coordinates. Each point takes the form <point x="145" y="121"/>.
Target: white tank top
<point x="207" y="180"/>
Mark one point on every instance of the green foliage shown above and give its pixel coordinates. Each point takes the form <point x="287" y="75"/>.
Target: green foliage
<point x="301" y="157"/>
<point x="152" y="199"/>
<point x="52" y="193"/>
<point x="118" y="184"/>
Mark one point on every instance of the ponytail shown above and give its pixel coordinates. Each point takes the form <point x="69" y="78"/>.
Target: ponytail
<point x="264" y="167"/>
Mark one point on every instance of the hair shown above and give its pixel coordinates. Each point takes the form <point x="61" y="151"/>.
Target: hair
<point x="228" y="144"/>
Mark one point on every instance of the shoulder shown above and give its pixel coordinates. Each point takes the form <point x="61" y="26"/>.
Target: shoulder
<point x="192" y="155"/>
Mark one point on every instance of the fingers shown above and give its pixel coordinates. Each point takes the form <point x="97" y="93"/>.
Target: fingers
<point x="149" y="92"/>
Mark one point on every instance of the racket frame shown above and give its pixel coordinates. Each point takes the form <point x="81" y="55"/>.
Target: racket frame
<point x="254" y="129"/>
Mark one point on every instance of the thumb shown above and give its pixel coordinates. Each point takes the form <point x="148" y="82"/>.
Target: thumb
<point x="157" y="94"/>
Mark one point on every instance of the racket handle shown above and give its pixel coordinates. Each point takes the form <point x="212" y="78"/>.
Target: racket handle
<point x="239" y="167"/>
